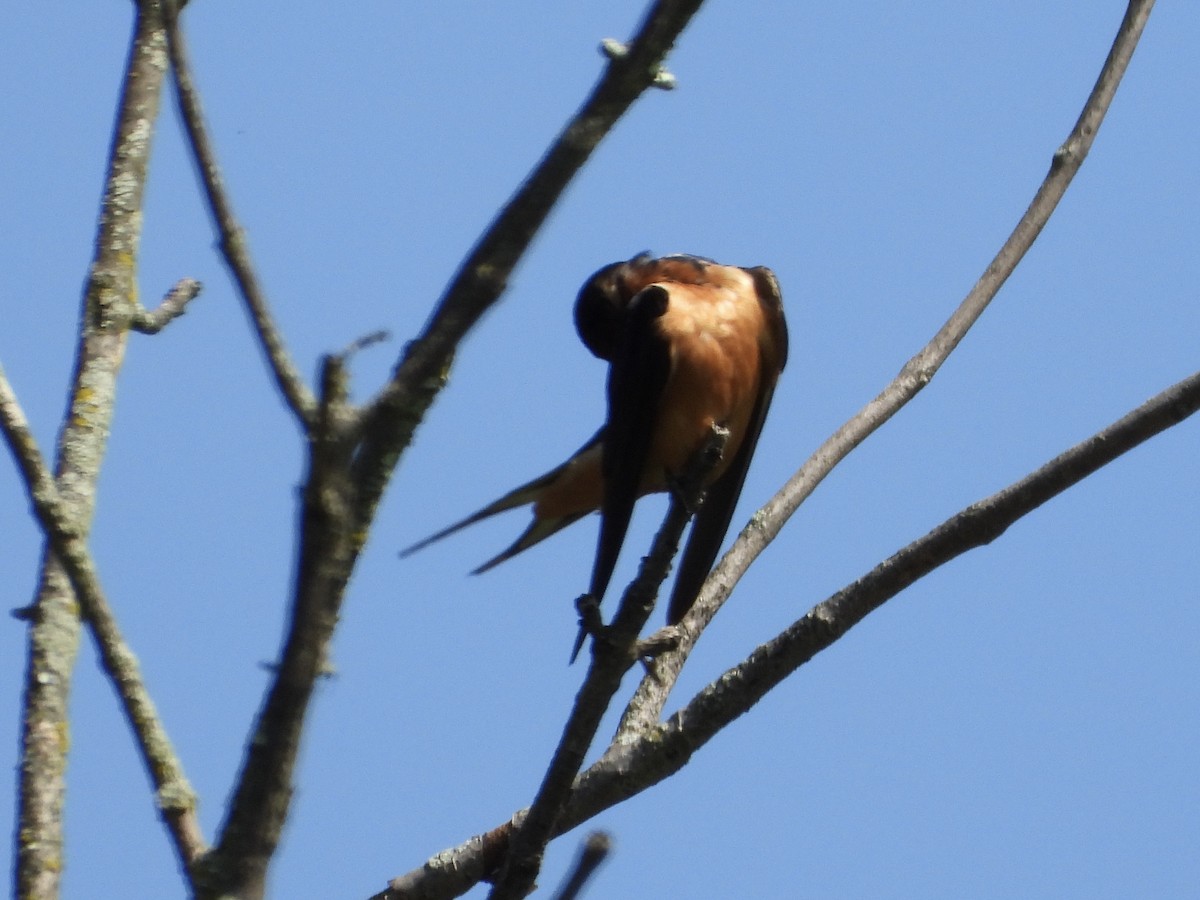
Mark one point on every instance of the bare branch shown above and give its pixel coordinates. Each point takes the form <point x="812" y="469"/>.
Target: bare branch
<point x="173" y="305"/>
<point x="647" y="704"/>
<point x="483" y="276"/>
<point x="234" y="246"/>
<point x="108" y="308"/>
<point x="522" y="841"/>
<point x="329" y="546"/>
<point x="661" y="750"/>
<point x="666" y="748"/>
<point x="175" y="797"/>
<point x="614" y="652"/>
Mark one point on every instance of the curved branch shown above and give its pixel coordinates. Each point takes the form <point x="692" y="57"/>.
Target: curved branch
<point x="647" y="704"/>
<point x="173" y="305"/>
<point x="662" y="750"/>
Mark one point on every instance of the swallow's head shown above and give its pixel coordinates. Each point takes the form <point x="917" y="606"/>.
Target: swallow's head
<point x="602" y="301"/>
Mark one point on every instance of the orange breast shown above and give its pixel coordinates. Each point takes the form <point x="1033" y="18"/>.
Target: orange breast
<point x="713" y="330"/>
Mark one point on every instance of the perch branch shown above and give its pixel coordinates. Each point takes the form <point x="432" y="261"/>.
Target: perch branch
<point x="738" y="689"/>
<point x="646" y="706"/>
<point x="662" y="750"/>
<point x="614" y="652"/>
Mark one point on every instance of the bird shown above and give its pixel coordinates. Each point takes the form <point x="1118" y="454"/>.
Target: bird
<point x="691" y="344"/>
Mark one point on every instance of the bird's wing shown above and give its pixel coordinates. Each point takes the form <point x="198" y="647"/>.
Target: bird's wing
<point x="712" y="521"/>
<point x="640" y="368"/>
<point x="775" y="338"/>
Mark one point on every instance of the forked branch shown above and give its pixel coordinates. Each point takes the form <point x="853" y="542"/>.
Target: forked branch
<point x="661" y="750"/>
<point x="175" y="797"/>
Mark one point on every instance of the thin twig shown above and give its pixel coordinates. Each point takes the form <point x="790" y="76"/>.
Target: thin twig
<point x="648" y="701"/>
<point x="614" y="652"/>
<point x="173" y="305"/>
<point x="483" y="275"/>
<point x="233" y="243"/>
<point x="108" y="308"/>
<point x="662" y="750"/>
<point x="175" y="797"/>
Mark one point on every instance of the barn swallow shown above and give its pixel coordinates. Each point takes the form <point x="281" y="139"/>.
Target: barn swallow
<point x="690" y="344"/>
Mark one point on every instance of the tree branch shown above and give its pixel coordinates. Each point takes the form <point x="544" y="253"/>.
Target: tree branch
<point x="175" y="797"/>
<point x="108" y="309"/>
<point x="481" y="279"/>
<point x="234" y="246"/>
<point x="614" y="652"/>
<point x="328" y="548"/>
<point x="658" y="752"/>
<point x="352" y="454"/>
<point x="448" y="873"/>
<point x="646" y="706"/>
<point x="173" y="305"/>
<point x="664" y="749"/>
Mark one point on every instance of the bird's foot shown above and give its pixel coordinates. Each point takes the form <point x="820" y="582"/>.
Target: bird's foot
<point x="688" y="486"/>
<point x="687" y="493"/>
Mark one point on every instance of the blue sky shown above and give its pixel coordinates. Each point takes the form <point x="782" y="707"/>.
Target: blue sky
<point x="1023" y="722"/>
